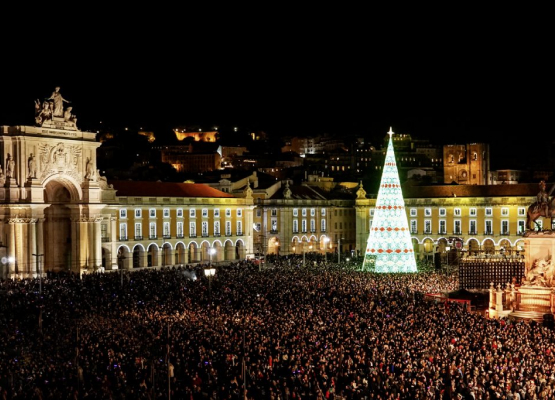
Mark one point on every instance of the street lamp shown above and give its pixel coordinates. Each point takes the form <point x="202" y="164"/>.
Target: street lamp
<point x="39" y="270"/>
<point x="211" y="252"/>
<point x="326" y="240"/>
<point x="210" y="272"/>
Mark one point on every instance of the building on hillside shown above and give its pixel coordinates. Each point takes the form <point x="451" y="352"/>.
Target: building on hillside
<point x="192" y="158"/>
<point x="466" y="164"/>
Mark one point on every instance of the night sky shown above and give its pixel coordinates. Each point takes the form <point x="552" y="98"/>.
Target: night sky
<point x="432" y="82"/>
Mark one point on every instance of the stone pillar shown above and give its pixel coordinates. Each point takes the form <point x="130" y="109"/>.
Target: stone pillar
<point x="32" y="240"/>
<point x="11" y="250"/>
<point x="491" y="296"/>
<point x="39" y="226"/>
<point x="113" y="239"/>
<point x="91" y="260"/>
<point x="97" y="242"/>
<point x="499" y="299"/>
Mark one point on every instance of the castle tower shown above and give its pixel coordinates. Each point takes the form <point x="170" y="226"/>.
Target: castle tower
<point x="389" y="247"/>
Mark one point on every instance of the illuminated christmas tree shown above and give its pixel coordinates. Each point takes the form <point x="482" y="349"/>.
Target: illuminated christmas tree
<point x="389" y="247"/>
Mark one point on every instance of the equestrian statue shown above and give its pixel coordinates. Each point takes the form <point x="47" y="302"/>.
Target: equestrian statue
<point x="542" y="207"/>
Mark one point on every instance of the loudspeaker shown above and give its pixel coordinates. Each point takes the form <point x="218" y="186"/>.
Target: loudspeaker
<point x="437" y="261"/>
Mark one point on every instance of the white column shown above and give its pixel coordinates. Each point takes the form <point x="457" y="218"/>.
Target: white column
<point x="11" y="249"/>
<point x="32" y="240"/>
<point x="97" y="242"/>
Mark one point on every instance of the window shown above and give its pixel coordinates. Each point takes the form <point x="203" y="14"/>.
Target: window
<point x="274" y="225"/>
<point x="521" y="211"/>
<point x="104" y="231"/>
<point x="323" y="225"/>
<point x="457" y="229"/>
<point x="504" y="212"/>
<point x="152" y="213"/>
<point x="166" y="212"/>
<point x="323" y="211"/>
<point x="216" y="213"/>
<point x="204" y="228"/>
<point x="122" y="231"/>
<point x="303" y="225"/>
<point x="239" y="212"/>
<point x="137" y="213"/>
<point x="166" y="230"/>
<point x="192" y="213"/>
<point x="413" y="226"/>
<point x="138" y="231"/>
<point x="180" y="229"/>
<point x="258" y="212"/>
<point x="239" y="228"/>
<point x="442" y="212"/>
<point x="228" y="228"/>
<point x="442" y="227"/>
<point x="489" y="212"/>
<point x="205" y="213"/>
<point x="258" y="227"/>
<point x="192" y="229"/>
<point x="427" y="226"/>
<point x="413" y="212"/>
<point x="427" y="212"/>
<point x="372" y="212"/>
<point x="539" y="222"/>
<point x="472" y="212"/>
<point x="217" y="228"/>
<point x="123" y="213"/>
<point x="505" y="227"/>
<point x="312" y="225"/>
<point x="472" y="227"/>
<point x="521" y="224"/>
<point x="489" y="229"/>
<point x="295" y="226"/>
<point x="304" y="212"/>
<point x="457" y="212"/>
<point x="312" y="212"/>
<point x="179" y="213"/>
<point x="274" y="212"/>
<point x="152" y="230"/>
<point x="295" y="212"/>
<point x="228" y="212"/>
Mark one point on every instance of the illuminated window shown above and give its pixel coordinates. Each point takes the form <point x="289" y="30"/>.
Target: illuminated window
<point x="413" y="212"/>
<point x="442" y="227"/>
<point x="442" y="212"/>
<point x="295" y="226"/>
<point x="192" y="213"/>
<point x="152" y="230"/>
<point x="505" y="212"/>
<point x="122" y="231"/>
<point x="489" y="212"/>
<point x="205" y="213"/>
<point x="521" y="211"/>
<point x="216" y="213"/>
<point x="295" y="212"/>
<point x="472" y="212"/>
<point x="457" y="212"/>
<point x="123" y="213"/>
<point x="137" y="213"/>
<point x="427" y="212"/>
<point x="217" y="228"/>
<point x="152" y="213"/>
<point x="413" y="226"/>
<point x="180" y="213"/>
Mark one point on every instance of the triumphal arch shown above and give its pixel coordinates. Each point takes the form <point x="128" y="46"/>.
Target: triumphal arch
<point x="51" y="194"/>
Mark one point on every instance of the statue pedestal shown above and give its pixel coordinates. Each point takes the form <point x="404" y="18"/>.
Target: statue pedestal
<point x="34" y="191"/>
<point x="533" y="302"/>
<point x="91" y="191"/>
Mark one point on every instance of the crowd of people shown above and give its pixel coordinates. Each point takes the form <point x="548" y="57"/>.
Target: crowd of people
<point x="291" y="330"/>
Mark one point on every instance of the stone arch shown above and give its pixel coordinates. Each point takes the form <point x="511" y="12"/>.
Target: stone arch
<point x="324" y="243"/>
<point x="218" y="254"/>
<point x="152" y="255"/>
<point x="473" y="247"/>
<point x="180" y="254"/>
<point x="124" y="257"/>
<point x="51" y="186"/>
<point x="205" y="251"/>
<point x="229" y="250"/>
<point x="240" y="250"/>
<point x="295" y="245"/>
<point x="166" y="254"/>
<point x="139" y="256"/>
<point x="488" y="246"/>
<point x="194" y="253"/>
<point x="416" y="248"/>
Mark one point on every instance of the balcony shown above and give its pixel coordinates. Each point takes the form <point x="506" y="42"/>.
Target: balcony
<point x="138" y="238"/>
<point x="205" y="235"/>
<point x="273" y="231"/>
<point x="179" y="236"/>
<point x="217" y="234"/>
<point x="166" y="236"/>
<point x="227" y="234"/>
<point x="505" y="233"/>
<point x="472" y="233"/>
<point x="192" y="235"/>
<point x="442" y="232"/>
<point x="239" y="233"/>
<point x="414" y="232"/>
<point x="105" y="239"/>
<point x="458" y="232"/>
<point x="488" y="233"/>
<point x="123" y="238"/>
<point x="297" y="231"/>
<point x="153" y="237"/>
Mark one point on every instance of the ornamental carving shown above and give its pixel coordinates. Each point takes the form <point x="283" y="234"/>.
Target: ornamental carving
<point x="60" y="158"/>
